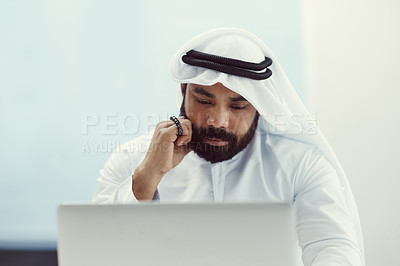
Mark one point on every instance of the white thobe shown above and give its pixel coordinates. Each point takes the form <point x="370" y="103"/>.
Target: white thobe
<point x="271" y="168"/>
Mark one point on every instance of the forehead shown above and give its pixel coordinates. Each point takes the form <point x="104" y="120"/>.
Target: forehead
<point x="214" y="91"/>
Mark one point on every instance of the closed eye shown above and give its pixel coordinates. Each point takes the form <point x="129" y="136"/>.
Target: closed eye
<point x="238" y="107"/>
<point x="203" y="101"/>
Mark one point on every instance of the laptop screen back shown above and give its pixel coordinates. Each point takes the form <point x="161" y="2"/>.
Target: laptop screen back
<point x="176" y="234"/>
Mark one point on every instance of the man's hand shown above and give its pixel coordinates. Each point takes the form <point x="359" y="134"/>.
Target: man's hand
<point x="165" y="152"/>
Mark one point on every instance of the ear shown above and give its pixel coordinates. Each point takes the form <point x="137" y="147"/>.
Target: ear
<point x="183" y="88"/>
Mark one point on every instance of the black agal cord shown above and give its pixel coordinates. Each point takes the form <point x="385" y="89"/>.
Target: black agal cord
<point x="228" y="65"/>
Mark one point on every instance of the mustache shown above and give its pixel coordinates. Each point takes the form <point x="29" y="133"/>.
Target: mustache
<point x="217" y="133"/>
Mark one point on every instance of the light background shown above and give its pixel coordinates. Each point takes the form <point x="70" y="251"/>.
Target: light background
<point x="64" y="64"/>
<point x="68" y="64"/>
<point x="351" y="71"/>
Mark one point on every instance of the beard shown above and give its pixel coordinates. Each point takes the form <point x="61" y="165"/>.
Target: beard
<point x="215" y="154"/>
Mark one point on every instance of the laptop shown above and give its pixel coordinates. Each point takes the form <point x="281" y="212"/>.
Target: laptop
<point x="150" y="234"/>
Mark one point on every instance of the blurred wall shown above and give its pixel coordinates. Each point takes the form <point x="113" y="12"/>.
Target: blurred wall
<point x="352" y="62"/>
<point x="79" y="78"/>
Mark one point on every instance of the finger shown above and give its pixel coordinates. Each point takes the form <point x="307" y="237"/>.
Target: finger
<point x="178" y="125"/>
<point x="186" y="137"/>
<point x="181" y="125"/>
<point x="166" y="131"/>
<point x="166" y="124"/>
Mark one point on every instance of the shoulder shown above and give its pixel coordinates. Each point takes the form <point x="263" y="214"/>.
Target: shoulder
<point x="285" y="149"/>
<point x="296" y="151"/>
<point x="303" y="164"/>
<point x="298" y="158"/>
<point x="309" y="165"/>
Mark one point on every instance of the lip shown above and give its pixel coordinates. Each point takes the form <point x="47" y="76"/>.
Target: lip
<point x="216" y="142"/>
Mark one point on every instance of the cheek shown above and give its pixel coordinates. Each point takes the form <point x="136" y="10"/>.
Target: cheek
<point x="240" y="123"/>
<point x="195" y="114"/>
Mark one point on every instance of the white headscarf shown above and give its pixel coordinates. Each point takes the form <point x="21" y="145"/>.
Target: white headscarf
<point x="274" y="98"/>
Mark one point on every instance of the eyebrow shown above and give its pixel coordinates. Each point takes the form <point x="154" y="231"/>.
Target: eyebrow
<point x="238" y="99"/>
<point x="203" y="92"/>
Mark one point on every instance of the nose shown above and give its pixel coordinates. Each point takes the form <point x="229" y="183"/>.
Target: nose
<point x="218" y="119"/>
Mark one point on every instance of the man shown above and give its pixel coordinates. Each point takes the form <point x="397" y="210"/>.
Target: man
<point x="242" y="136"/>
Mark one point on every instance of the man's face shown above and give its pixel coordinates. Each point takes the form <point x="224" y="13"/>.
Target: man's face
<point x="223" y="121"/>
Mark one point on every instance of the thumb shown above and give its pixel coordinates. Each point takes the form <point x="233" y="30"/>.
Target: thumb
<point x="179" y="153"/>
<point x="182" y="141"/>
